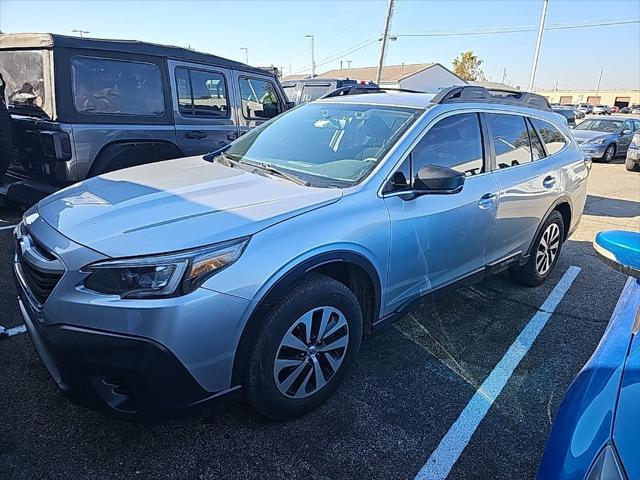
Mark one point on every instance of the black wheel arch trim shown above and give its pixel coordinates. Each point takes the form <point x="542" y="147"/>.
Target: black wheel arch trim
<point x="287" y="280"/>
<point x="113" y="150"/>
<point x="554" y="206"/>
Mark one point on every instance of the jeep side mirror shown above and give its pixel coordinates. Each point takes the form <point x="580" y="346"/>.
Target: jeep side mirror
<point x="438" y="180"/>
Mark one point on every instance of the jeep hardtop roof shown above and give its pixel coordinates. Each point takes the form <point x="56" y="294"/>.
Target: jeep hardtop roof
<point x="30" y="41"/>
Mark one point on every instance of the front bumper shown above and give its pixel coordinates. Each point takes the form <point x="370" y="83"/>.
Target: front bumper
<point x="120" y="376"/>
<point x="593" y="149"/>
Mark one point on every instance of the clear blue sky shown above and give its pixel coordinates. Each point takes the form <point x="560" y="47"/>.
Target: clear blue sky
<point x="274" y="32"/>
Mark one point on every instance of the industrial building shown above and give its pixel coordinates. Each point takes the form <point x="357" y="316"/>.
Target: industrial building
<point x="619" y="98"/>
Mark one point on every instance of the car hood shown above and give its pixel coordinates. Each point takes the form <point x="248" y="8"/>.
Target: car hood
<point x="582" y="136"/>
<point x="175" y="205"/>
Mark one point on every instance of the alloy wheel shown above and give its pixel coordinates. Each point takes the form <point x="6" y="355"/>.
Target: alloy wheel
<point x="608" y="154"/>
<point x="311" y="352"/>
<point x="547" y="249"/>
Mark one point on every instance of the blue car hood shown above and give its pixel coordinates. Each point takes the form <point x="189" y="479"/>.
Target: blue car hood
<point x="582" y="136"/>
<point x="175" y="205"/>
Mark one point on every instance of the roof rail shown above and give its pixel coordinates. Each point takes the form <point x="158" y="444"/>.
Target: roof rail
<point x="366" y="88"/>
<point x="476" y="94"/>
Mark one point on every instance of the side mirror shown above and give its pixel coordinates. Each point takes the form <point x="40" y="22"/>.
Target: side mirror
<point x="438" y="180"/>
<point x="626" y="132"/>
<point x="620" y="249"/>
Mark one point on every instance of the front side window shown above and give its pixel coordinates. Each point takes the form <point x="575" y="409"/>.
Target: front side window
<point x="201" y="93"/>
<point x="116" y="87"/>
<point x="454" y="142"/>
<point x="259" y="98"/>
<point x="331" y="142"/>
<point x="510" y="139"/>
<point x="628" y="126"/>
<point x="553" y="140"/>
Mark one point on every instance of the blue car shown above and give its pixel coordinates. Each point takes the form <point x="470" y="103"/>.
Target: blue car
<point x="596" y="433"/>
<point x="603" y="139"/>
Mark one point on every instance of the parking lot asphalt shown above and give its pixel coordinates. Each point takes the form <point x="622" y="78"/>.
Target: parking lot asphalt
<point x="408" y="386"/>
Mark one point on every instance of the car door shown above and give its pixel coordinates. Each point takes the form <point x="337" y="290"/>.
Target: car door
<point x="528" y="182"/>
<point x="259" y="99"/>
<point x="202" y="99"/>
<point x="626" y="134"/>
<point x="437" y="239"/>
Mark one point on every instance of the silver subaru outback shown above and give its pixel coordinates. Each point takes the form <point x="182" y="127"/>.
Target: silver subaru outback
<point x="258" y="269"/>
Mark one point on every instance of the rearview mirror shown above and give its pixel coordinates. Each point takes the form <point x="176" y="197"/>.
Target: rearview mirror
<point x="438" y="180"/>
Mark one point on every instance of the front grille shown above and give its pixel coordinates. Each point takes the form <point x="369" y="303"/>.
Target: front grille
<point x="39" y="283"/>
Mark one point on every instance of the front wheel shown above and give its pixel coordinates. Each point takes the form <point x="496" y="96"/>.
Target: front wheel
<point x="631" y="166"/>
<point x="609" y="153"/>
<point x="305" y="346"/>
<point x="544" y="254"/>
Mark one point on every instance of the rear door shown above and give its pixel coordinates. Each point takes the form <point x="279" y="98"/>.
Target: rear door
<point x="527" y="176"/>
<point x="260" y="98"/>
<point x="202" y="104"/>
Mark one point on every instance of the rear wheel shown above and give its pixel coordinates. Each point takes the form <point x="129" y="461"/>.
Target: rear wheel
<point x="609" y="153"/>
<point x="544" y="254"/>
<point x="307" y="342"/>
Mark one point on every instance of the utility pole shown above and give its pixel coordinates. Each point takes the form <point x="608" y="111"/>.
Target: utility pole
<point x="543" y="17"/>
<point x="313" y="57"/>
<point x="80" y="32"/>
<point x="246" y="54"/>
<point x="599" y="80"/>
<point x="348" y="63"/>
<point x="340" y="64"/>
<point x="555" y="88"/>
<point x="383" y="47"/>
<point x="504" y="75"/>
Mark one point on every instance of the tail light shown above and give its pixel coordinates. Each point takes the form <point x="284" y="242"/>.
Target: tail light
<point x="56" y="145"/>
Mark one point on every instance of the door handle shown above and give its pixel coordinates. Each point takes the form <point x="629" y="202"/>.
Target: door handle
<point x="487" y="200"/>
<point x="196" y="135"/>
<point x="232" y="136"/>
<point x="549" y="182"/>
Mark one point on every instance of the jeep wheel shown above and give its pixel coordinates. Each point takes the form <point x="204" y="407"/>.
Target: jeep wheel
<point x="6" y="138"/>
<point x="544" y="254"/>
<point x="609" y="153"/>
<point x="303" y="350"/>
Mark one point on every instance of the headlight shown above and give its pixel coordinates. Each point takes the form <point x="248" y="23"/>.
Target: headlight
<point x="606" y="466"/>
<point x="162" y="275"/>
<point x="598" y="141"/>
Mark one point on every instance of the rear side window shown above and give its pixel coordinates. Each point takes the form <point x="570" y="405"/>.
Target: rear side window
<point x="116" y="87"/>
<point x="554" y="141"/>
<point x="454" y="142"/>
<point x="201" y="93"/>
<point x="259" y="98"/>
<point x="536" y="145"/>
<point x="510" y="140"/>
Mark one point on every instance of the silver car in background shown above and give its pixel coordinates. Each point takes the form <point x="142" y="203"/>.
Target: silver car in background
<point x="260" y="267"/>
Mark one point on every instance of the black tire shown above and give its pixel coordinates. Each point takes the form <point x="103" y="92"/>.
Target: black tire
<point x="314" y="290"/>
<point x="631" y="166"/>
<point x="527" y="274"/>
<point x="6" y="138"/>
<point x="606" y="158"/>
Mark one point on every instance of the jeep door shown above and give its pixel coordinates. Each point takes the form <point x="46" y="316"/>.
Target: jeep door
<point x="437" y="239"/>
<point x="202" y="102"/>
<point x="260" y="98"/>
<point x="528" y="178"/>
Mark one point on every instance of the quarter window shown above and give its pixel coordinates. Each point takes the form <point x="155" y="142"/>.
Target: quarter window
<point x="201" y="93"/>
<point x="259" y="98"/>
<point x="454" y="142"/>
<point x="536" y="145"/>
<point x="553" y="140"/>
<point x="116" y="87"/>
<point x="510" y="140"/>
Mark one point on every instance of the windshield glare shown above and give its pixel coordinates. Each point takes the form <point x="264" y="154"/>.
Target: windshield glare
<point x="607" y="126"/>
<point x="332" y="141"/>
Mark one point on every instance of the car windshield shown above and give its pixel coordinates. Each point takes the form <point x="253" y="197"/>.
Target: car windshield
<point x="329" y="142"/>
<point x="607" y="126"/>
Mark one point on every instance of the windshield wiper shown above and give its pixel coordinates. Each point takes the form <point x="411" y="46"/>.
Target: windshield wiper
<point x="267" y="167"/>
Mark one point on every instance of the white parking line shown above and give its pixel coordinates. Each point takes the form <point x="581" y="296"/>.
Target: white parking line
<point x="455" y="441"/>
<point x="7" y="227"/>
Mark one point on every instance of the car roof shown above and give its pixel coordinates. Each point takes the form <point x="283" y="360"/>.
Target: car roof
<point x="11" y="41"/>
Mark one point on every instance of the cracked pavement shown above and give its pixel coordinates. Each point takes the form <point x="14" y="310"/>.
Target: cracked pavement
<point x="408" y="386"/>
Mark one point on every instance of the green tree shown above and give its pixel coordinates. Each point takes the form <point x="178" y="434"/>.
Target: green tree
<point x="467" y="66"/>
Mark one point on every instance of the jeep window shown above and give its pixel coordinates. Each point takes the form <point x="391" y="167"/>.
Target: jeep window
<point x="311" y="92"/>
<point x="454" y="142"/>
<point x="331" y="143"/>
<point x="201" y="93"/>
<point x="510" y="139"/>
<point x="259" y="98"/>
<point x="116" y="87"/>
<point x="554" y="141"/>
<point x="23" y="73"/>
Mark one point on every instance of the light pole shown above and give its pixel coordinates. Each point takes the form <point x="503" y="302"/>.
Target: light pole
<point x="383" y="47"/>
<point x="313" y="57"/>
<point x="81" y="32"/>
<point x="246" y="54"/>
<point x="543" y="17"/>
<point x="598" y="87"/>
